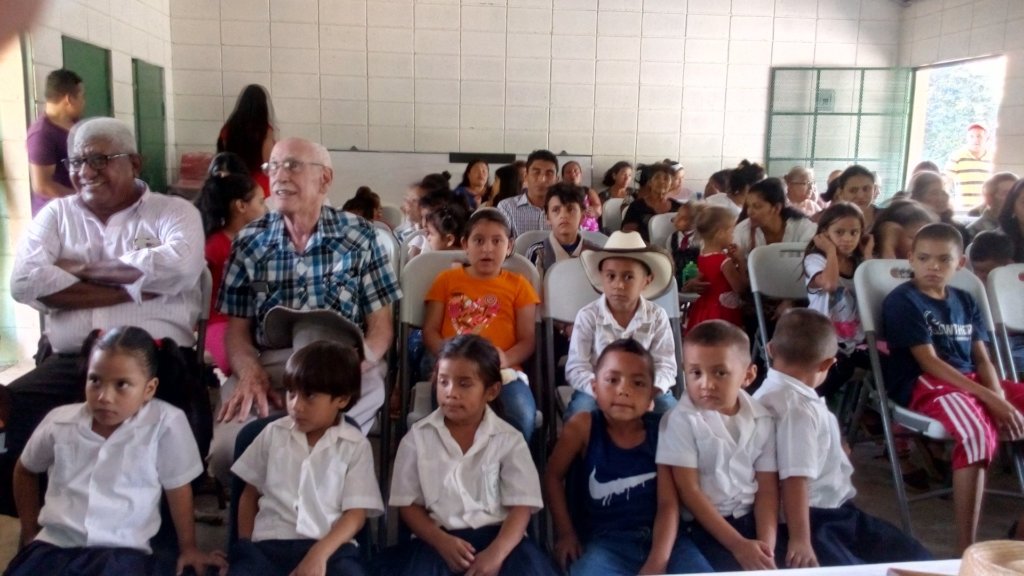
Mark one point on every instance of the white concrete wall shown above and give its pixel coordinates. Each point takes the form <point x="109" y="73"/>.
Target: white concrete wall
<point x="634" y="79"/>
<point x="936" y="31"/>
<point x="19" y="325"/>
<point x="128" y="28"/>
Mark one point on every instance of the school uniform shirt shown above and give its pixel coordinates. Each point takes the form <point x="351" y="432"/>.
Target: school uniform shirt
<point x="807" y="440"/>
<point x="595" y="328"/>
<point x="910" y="318"/>
<point x="701" y="439"/>
<point x="304" y="490"/>
<point x="105" y="492"/>
<point x="468" y="490"/>
<point x="840" y="305"/>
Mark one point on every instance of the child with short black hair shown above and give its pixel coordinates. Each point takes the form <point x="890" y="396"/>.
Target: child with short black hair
<point x="629" y="274"/>
<point x="464" y="482"/>
<point x="824" y="526"/>
<point x="563" y="207"/>
<point x="309" y="476"/>
<point x="720" y="445"/>
<point x="939" y="366"/>
<point x="109" y="460"/>
<point x="988" y="251"/>
<point x="631" y="513"/>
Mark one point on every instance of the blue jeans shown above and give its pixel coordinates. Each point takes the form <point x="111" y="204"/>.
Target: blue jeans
<point x="583" y="402"/>
<point x="518" y="407"/>
<point x="625" y="551"/>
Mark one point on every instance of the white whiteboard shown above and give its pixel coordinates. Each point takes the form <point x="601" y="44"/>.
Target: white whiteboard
<point x="390" y="173"/>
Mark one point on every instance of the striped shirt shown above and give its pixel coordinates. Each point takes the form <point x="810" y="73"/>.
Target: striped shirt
<point x="161" y="236"/>
<point x="343" y="268"/>
<point x="521" y="215"/>
<point x="969" y="173"/>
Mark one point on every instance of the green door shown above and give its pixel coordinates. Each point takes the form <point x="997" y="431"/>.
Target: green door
<point x="151" y="123"/>
<point x="92" y="63"/>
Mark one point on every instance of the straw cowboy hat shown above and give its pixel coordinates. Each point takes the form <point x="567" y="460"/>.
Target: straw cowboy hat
<point x="631" y="245"/>
<point x="993" y="558"/>
<point x="288" y="328"/>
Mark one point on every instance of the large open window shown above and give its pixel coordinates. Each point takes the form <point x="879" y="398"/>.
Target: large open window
<point x="948" y="98"/>
<point x="829" y="118"/>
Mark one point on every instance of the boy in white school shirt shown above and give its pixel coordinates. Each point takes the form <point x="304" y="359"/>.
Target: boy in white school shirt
<point x="720" y="443"/>
<point x="310" y="482"/>
<point x="824" y="526"/>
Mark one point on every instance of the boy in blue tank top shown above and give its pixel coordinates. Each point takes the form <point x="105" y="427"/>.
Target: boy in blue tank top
<point x="629" y="503"/>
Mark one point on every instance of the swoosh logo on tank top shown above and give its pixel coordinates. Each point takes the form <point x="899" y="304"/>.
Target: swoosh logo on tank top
<point x="604" y="491"/>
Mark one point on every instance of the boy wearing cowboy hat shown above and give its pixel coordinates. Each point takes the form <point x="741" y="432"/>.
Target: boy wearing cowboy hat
<point x="629" y="274"/>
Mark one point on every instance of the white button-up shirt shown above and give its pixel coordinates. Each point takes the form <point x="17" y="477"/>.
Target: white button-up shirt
<point x="106" y="491"/>
<point x="807" y="440"/>
<point x="303" y="490"/>
<point x="468" y="490"/>
<point x="595" y="328"/>
<point x="695" y="438"/>
<point x="160" y="235"/>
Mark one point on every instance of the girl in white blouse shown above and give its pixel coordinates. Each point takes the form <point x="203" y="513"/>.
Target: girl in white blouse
<point x="464" y="482"/>
<point x="109" y="459"/>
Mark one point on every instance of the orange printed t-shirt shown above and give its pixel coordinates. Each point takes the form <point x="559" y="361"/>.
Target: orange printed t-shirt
<point x="481" y="306"/>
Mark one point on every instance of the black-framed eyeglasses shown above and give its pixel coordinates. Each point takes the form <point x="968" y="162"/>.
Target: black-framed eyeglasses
<point x="95" y="161"/>
<point x="290" y="166"/>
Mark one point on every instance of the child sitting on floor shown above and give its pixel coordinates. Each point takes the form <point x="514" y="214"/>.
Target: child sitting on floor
<point x="825" y="528"/>
<point x="464" y="482"/>
<point x="720" y="445"/>
<point x="109" y="460"/>
<point x="309" y="478"/>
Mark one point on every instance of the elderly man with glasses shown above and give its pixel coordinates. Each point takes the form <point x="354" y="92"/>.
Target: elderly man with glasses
<point x="303" y="256"/>
<point x="112" y="254"/>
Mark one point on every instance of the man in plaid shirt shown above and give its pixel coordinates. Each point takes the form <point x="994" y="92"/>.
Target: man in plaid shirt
<point x="304" y="256"/>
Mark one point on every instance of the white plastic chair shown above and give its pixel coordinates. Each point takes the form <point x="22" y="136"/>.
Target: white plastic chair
<point x="392" y="215"/>
<point x="873" y="281"/>
<point x="1006" y="294"/>
<point x="527" y="239"/>
<point x="611" y="215"/>
<point x="417" y="278"/>
<point x="776" y="271"/>
<point x="403" y="250"/>
<point x="660" y="228"/>
<point x="669" y="302"/>
<point x="597" y="238"/>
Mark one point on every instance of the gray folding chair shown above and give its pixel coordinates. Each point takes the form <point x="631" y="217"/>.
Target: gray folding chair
<point x="597" y="238"/>
<point x="1006" y="294"/>
<point x="776" y="271"/>
<point x="403" y="250"/>
<point x="527" y="239"/>
<point x="873" y="281"/>
<point x="566" y="290"/>
<point x="611" y="215"/>
<point x="660" y="228"/>
<point x="392" y="215"/>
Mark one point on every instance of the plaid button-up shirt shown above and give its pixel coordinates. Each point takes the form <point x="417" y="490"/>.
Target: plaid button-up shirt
<point x="343" y="268"/>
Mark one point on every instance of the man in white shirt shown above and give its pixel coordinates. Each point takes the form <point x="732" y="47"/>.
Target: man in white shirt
<point x="112" y="254"/>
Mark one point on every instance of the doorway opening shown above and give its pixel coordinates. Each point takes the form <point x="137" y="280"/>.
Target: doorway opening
<point x="954" y="124"/>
